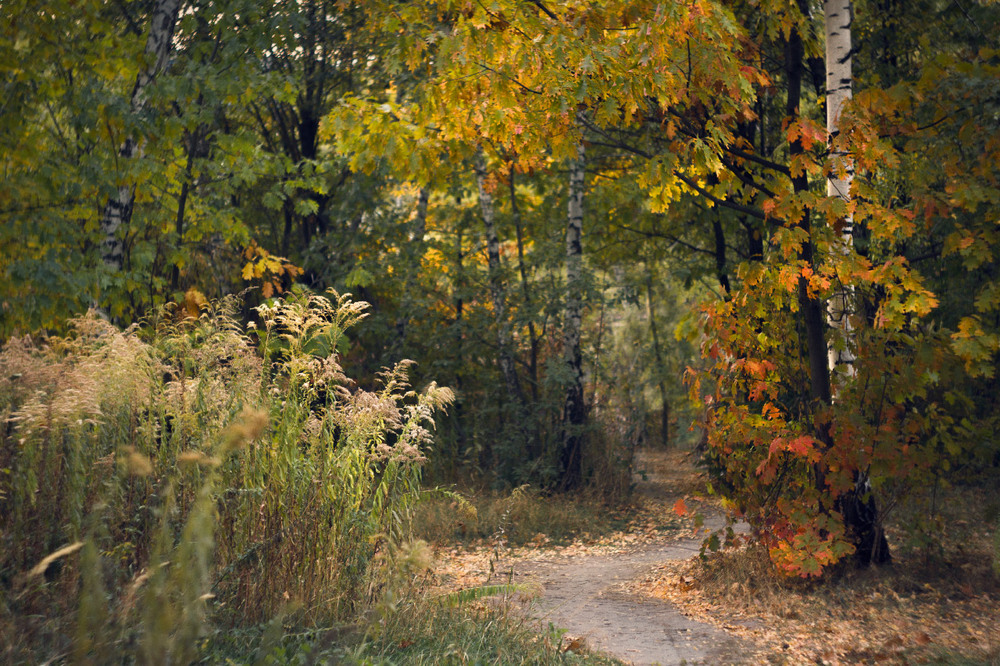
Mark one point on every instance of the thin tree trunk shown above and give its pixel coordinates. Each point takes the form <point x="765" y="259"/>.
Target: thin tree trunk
<point x="414" y="252"/>
<point x="838" y="16"/>
<point x="419" y="229"/>
<point x="525" y="290"/>
<point x="118" y="210"/>
<point x="506" y="358"/>
<point x="660" y="365"/>
<point x="574" y="409"/>
<point x="458" y="287"/>
<point x="810" y="306"/>
<point x="175" y="273"/>
<point x="720" y="254"/>
<point x="599" y="339"/>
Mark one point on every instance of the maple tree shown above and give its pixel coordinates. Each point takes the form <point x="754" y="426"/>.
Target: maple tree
<point x="529" y="193"/>
<point x="810" y="468"/>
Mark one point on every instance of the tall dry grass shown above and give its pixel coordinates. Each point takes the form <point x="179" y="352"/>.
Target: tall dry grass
<point x="155" y="481"/>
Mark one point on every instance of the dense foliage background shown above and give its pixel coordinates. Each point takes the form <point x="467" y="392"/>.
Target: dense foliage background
<point x="601" y="225"/>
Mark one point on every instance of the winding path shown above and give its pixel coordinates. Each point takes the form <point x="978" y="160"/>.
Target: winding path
<point x="583" y="594"/>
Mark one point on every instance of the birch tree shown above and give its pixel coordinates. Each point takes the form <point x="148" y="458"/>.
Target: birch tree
<point x="860" y="513"/>
<point x="118" y="210"/>
<point x="838" y="16"/>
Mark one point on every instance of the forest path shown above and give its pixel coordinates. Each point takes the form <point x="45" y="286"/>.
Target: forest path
<point x="585" y="593"/>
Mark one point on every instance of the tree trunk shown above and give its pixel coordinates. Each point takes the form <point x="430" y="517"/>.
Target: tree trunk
<point x="175" y="272"/>
<point x="660" y="365"/>
<point x="574" y="410"/>
<point x="506" y="357"/>
<point x="459" y="346"/>
<point x="811" y="307"/>
<point x="515" y="212"/>
<point x="596" y="378"/>
<point x="118" y="210"/>
<point x="838" y="15"/>
<point x="414" y="252"/>
<point x="721" y="271"/>
<point x="861" y="515"/>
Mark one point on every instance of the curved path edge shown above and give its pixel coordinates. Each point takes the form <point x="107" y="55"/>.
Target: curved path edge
<point x="583" y="595"/>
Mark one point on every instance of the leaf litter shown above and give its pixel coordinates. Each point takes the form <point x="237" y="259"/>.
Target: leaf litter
<point x="913" y="611"/>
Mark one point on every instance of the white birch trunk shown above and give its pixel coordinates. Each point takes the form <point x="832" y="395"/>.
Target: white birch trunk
<point x="838" y="15"/>
<point x="118" y="210"/>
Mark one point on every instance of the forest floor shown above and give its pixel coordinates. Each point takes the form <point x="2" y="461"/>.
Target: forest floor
<point x="639" y="592"/>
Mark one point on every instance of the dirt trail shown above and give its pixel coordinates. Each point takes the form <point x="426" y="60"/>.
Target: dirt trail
<point x="583" y="594"/>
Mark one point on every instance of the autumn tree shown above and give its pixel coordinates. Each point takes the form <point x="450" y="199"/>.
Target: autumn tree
<point x="810" y="474"/>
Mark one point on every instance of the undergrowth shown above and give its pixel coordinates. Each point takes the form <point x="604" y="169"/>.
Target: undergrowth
<point x="426" y="635"/>
<point x="158" y="483"/>
<point x="936" y="603"/>
<point x="516" y="517"/>
<point x="410" y="624"/>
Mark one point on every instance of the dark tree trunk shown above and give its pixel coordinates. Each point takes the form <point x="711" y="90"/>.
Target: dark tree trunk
<point x="660" y="365"/>
<point x="414" y="252"/>
<point x="811" y="307"/>
<point x="574" y="409"/>
<point x="720" y="254"/>
<point x="504" y="354"/>
<point x="525" y="290"/>
<point x="457" y="287"/>
<point x="175" y="273"/>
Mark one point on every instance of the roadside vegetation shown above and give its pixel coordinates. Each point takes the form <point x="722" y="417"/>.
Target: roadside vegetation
<point x="761" y="230"/>
<point x="198" y="489"/>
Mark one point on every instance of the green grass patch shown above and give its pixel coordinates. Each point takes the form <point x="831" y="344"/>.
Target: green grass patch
<point x="469" y="635"/>
<point x="424" y="632"/>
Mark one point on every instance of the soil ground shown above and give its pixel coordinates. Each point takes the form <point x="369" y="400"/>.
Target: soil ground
<point x="586" y="587"/>
<point x="589" y="595"/>
<point x="642" y="595"/>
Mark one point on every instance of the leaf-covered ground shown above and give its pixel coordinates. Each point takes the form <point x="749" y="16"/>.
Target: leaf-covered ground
<point x="938" y="603"/>
<point x="933" y="605"/>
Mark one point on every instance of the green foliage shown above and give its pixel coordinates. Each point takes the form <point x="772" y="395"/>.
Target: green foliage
<point x="332" y="143"/>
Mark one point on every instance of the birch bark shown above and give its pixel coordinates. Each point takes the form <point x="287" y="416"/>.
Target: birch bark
<point x="118" y="210"/>
<point x="861" y="515"/>
<point x="838" y="16"/>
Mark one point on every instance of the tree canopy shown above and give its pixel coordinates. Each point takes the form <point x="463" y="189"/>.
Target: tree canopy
<point x="600" y="223"/>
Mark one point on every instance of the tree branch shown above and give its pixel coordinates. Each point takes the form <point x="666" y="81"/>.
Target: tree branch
<point x="545" y="10"/>
<point x="747" y="210"/>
